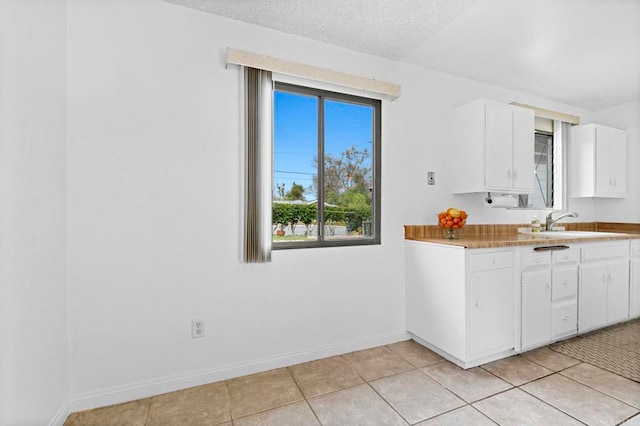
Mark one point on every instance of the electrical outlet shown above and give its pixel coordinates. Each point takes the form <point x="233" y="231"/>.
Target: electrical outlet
<point x="197" y="328"/>
<point x="431" y="178"/>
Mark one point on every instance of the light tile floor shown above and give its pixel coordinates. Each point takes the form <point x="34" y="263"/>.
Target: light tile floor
<point x="399" y="384"/>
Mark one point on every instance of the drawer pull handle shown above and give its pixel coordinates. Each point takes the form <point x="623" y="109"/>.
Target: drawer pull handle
<point x="566" y="258"/>
<point x="565" y="282"/>
<point x="548" y="248"/>
<point x="537" y="260"/>
<point x="565" y="318"/>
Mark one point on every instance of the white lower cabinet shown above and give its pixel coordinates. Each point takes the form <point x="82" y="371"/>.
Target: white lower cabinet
<point x="549" y="282"/>
<point x="492" y="296"/>
<point x="604" y="285"/>
<point x="536" y="308"/>
<point x="461" y="302"/>
<point x="564" y="312"/>
<point x="469" y="305"/>
<point x="634" y="284"/>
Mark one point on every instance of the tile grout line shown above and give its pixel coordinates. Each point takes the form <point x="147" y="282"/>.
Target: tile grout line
<point x="388" y="403"/>
<point x="146" y="414"/>
<point x="547" y="403"/>
<point x="600" y="392"/>
<point x="305" y="399"/>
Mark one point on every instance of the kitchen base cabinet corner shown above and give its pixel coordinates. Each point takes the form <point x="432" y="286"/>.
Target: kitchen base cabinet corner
<point x="460" y="302"/>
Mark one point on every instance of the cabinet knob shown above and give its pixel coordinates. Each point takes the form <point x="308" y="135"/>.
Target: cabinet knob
<point x="494" y="261"/>
<point x="477" y="304"/>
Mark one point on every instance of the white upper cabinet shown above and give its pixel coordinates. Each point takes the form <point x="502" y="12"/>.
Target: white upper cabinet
<point x="495" y="148"/>
<point x="598" y="161"/>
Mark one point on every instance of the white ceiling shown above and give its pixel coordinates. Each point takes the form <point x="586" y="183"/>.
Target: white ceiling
<point x="584" y="53"/>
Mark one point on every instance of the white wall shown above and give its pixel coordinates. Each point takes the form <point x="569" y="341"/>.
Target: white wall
<point x="627" y="117"/>
<point x="154" y="219"/>
<point x="33" y="284"/>
<point x="154" y="190"/>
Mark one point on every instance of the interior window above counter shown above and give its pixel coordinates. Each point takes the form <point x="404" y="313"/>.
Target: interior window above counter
<point x="498" y="145"/>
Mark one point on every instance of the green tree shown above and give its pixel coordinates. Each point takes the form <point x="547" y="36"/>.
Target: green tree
<point x="295" y="193"/>
<point x="280" y="215"/>
<point x="358" y="210"/>
<point x="349" y="172"/>
<point x="308" y="214"/>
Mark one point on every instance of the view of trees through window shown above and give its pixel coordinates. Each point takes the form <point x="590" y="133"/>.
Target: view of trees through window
<point x="324" y="169"/>
<point x="543" y="196"/>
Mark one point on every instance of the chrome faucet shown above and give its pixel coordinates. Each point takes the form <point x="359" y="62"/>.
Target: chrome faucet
<point x="551" y="221"/>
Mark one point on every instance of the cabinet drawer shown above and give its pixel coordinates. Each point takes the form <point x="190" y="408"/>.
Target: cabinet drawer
<point x="565" y="282"/>
<point x="604" y="251"/>
<point x="564" y="319"/>
<point x="492" y="260"/>
<point x="566" y="256"/>
<point x="533" y="259"/>
<point x="635" y="250"/>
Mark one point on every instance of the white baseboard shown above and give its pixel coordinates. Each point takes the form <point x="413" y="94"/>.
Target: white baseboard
<point x="131" y="392"/>
<point x="62" y="414"/>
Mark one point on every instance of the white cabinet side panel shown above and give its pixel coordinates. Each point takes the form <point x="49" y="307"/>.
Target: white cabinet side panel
<point x="435" y="292"/>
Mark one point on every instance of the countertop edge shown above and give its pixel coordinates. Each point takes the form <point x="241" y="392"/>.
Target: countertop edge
<point x="515" y="240"/>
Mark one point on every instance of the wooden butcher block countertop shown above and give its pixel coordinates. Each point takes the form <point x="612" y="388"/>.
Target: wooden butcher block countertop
<point x="492" y="236"/>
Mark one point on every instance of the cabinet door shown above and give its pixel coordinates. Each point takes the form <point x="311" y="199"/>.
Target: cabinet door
<point x="634" y="293"/>
<point x="617" y="291"/>
<point x="611" y="158"/>
<point x="592" y="297"/>
<point x="523" y="150"/>
<point x="491" y="308"/>
<point x="536" y="308"/>
<point x="498" y="147"/>
<point x="619" y="160"/>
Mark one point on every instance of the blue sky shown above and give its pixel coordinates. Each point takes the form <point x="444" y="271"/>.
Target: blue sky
<point x="296" y="129"/>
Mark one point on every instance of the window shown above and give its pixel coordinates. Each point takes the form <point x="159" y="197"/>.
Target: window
<point x="326" y="168"/>
<point x="542" y="196"/>
<point x="549" y="167"/>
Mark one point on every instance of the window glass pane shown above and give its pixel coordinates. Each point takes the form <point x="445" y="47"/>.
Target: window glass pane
<point x="348" y="170"/>
<point x="542" y="196"/>
<point x="295" y="140"/>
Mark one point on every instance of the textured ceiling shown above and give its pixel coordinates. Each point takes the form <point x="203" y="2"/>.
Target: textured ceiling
<point x="581" y="52"/>
<point x="385" y="28"/>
